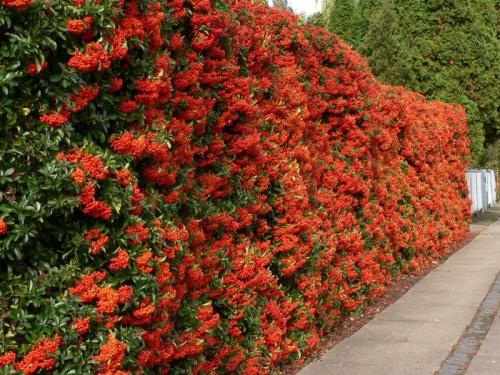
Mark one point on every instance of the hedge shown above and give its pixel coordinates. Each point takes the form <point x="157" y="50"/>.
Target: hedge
<point x="204" y="186"/>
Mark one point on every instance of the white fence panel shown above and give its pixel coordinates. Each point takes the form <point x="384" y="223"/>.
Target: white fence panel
<point x="482" y="189"/>
<point x="492" y="191"/>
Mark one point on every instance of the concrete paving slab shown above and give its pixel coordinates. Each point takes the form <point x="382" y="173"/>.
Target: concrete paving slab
<point x="417" y="332"/>
<point x="430" y="313"/>
<point x="464" y="351"/>
<point x="477" y="228"/>
<point x="492" y="229"/>
<point x="444" y="282"/>
<point x="487" y="360"/>
<point x="371" y="362"/>
<point x="455" y="297"/>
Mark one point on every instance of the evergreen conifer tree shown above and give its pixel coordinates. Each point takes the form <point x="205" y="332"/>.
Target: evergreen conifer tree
<point x="282" y="4"/>
<point x="316" y="19"/>
<point x="363" y="13"/>
<point x="386" y="46"/>
<point x="445" y="49"/>
<point x="340" y="19"/>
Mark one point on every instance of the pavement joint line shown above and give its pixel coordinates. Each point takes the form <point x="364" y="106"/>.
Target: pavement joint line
<point x="468" y="345"/>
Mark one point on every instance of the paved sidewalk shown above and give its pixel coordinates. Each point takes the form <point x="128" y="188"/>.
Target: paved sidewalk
<point x="417" y="333"/>
<point x="487" y="360"/>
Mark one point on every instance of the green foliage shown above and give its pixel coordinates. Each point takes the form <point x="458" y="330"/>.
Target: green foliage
<point x="384" y="44"/>
<point x="283" y="4"/>
<point x="316" y="19"/>
<point x="340" y="18"/>
<point x="364" y="11"/>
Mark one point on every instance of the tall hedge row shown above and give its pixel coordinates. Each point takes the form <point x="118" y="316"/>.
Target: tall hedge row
<point x="203" y="186"/>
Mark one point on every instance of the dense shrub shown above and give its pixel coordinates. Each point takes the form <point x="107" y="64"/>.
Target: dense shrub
<point x="195" y="186"/>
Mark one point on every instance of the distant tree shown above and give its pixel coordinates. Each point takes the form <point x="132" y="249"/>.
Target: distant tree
<point x="363" y="13"/>
<point x="467" y="57"/>
<point x="340" y="17"/>
<point x="282" y="4"/>
<point x="445" y="49"/>
<point x="386" y="46"/>
<point x="316" y="19"/>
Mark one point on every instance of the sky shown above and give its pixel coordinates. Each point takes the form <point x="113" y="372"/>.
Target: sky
<point x="305" y="6"/>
